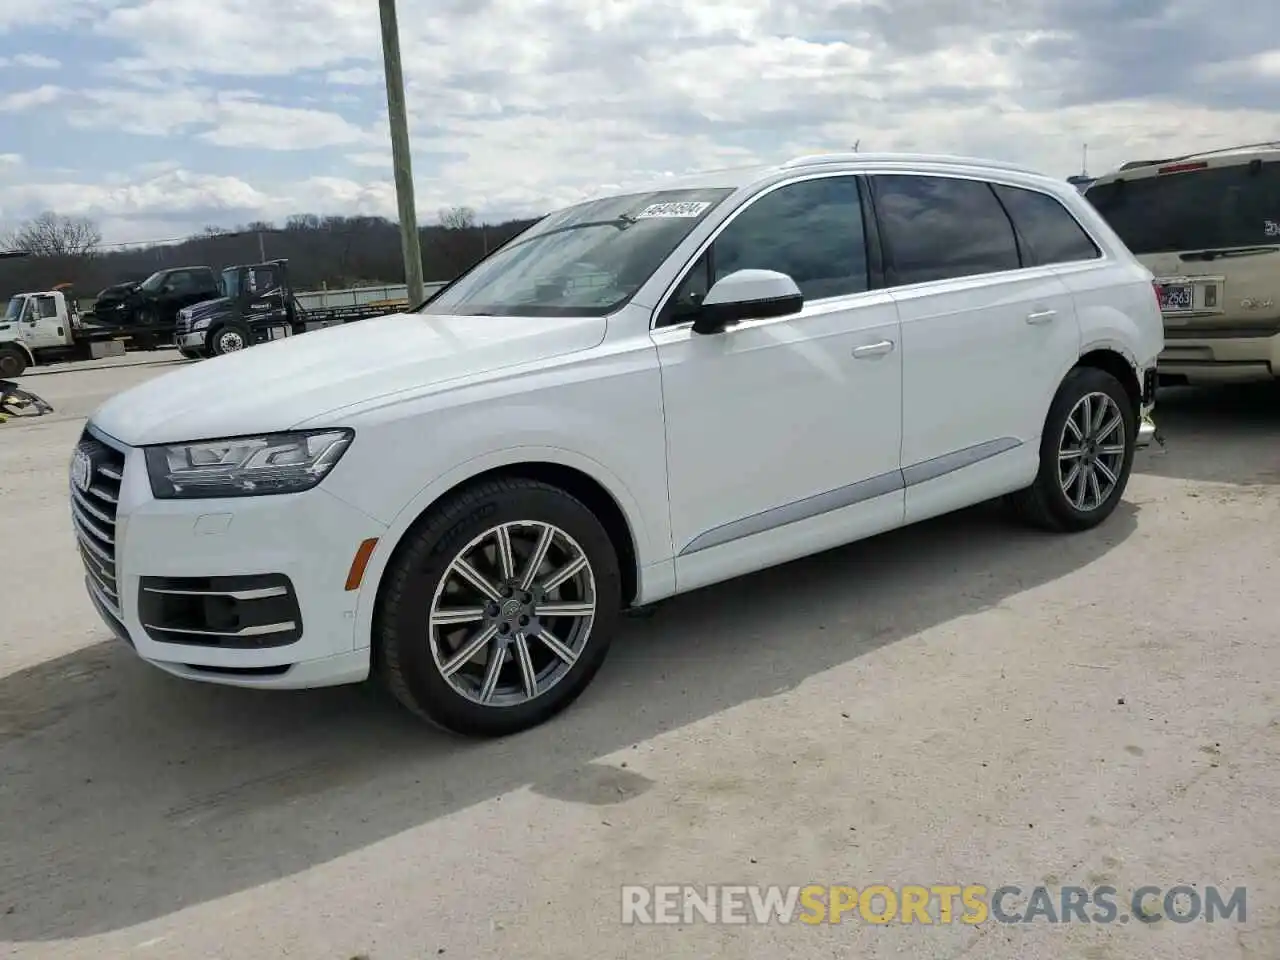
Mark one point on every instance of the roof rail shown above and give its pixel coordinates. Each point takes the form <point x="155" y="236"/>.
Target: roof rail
<point x="922" y="158"/>
<point x="1217" y="150"/>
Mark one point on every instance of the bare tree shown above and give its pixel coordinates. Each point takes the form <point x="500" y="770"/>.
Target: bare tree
<point x="457" y="218"/>
<point x="53" y="235"/>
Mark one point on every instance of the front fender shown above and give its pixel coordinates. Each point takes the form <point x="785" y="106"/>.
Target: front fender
<point x="21" y="347"/>
<point x="632" y="511"/>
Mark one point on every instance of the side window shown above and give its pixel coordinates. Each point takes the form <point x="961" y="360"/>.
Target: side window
<point x="180" y="281"/>
<point x="941" y="228"/>
<point x="46" y="308"/>
<point x="263" y="280"/>
<point x="1052" y="233"/>
<point x="812" y="231"/>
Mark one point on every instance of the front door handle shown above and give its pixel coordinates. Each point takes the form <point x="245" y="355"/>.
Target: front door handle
<point x="872" y="350"/>
<point x="1041" y="316"/>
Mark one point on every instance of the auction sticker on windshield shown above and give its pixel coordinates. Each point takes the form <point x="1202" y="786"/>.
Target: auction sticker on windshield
<point x="685" y="208"/>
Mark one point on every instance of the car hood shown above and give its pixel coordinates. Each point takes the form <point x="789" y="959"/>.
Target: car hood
<point x="120" y="291"/>
<point x="206" y="308"/>
<point x="277" y="385"/>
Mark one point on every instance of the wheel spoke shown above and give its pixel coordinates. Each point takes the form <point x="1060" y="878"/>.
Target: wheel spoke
<point x="1080" y="478"/>
<point x="1070" y="454"/>
<point x="469" y="650"/>
<point x="554" y="644"/>
<point x="1111" y="478"/>
<point x="1069" y="480"/>
<point x="456" y="615"/>
<point x="1072" y="426"/>
<point x="475" y="578"/>
<point x="506" y="559"/>
<point x="539" y="555"/>
<point x="1110" y="427"/>
<point x="1086" y="416"/>
<point x="527" y="675"/>
<point x="566" y="609"/>
<point x="1115" y="450"/>
<point x="1095" y="427"/>
<point x="569" y="570"/>
<point x="1094" y="487"/>
<point x="497" y="656"/>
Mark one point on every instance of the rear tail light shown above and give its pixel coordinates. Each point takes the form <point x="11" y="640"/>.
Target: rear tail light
<point x="1183" y="167"/>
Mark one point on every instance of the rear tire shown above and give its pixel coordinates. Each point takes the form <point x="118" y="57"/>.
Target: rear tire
<point x="508" y="654"/>
<point x="13" y="361"/>
<point x="1086" y="455"/>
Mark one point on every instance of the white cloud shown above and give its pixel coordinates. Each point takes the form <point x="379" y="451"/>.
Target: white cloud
<point x="355" y="77"/>
<point x="520" y="105"/>
<point x="223" y="118"/>
<point x="30" y="61"/>
<point x="26" y="99"/>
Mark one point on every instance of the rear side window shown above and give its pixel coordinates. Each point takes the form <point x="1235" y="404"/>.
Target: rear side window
<point x="1050" y="233"/>
<point x="940" y="228"/>
<point x="1217" y="208"/>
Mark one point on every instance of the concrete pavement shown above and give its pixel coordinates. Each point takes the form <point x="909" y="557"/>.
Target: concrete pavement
<point x="961" y="702"/>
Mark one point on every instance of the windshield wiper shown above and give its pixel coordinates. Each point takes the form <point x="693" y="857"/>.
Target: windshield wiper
<point x="621" y="222"/>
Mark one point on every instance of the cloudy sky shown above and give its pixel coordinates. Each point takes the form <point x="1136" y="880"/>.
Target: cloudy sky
<point x="157" y="117"/>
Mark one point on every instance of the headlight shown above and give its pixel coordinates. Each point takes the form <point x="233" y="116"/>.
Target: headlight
<point x="245" y="466"/>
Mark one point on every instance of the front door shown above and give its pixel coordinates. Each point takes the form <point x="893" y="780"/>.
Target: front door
<point x="783" y="434"/>
<point x="44" y="325"/>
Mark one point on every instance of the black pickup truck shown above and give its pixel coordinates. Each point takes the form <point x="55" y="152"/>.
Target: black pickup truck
<point x="154" y="303"/>
<point x="257" y="304"/>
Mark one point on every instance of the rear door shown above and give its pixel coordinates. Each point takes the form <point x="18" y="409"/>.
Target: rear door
<point x="985" y="339"/>
<point x="1210" y="232"/>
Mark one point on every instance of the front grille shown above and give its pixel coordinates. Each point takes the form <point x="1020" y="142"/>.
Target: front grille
<point x="93" y="517"/>
<point x="182" y="325"/>
<point x="240" y="613"/>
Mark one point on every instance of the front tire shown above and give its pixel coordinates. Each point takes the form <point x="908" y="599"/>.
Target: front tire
<point x="1086" y="454"/>
<point x="231" y="338"/>
<point x="12" y="361"/>
<point x="499" y="609"/>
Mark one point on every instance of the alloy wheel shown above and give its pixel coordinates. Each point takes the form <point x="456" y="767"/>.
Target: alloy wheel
<point x="512" y="613"/>
<point x="229" y="341"/>
<point x="1091" y="451"/>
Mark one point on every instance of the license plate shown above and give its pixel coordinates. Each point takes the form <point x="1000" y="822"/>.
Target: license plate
<point x="1177" y="296"/>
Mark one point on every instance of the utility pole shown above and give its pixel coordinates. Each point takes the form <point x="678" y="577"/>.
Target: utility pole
<point x="399" y="120"/>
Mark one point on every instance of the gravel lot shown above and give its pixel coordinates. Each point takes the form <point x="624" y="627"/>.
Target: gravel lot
<point x="961" y="702"/>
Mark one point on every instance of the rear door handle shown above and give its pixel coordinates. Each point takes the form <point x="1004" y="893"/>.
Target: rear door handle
<point x="873" y="350"/>
<point x="1041" y="316"/>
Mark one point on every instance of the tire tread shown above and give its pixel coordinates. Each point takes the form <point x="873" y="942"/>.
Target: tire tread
<point x="388" y="648"/>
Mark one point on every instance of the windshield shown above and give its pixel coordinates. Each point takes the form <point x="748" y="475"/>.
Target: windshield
<point x="1221" y="207"/>
<point x="153" y="282"/>
<point x="586" y="260"/>
<point x="230" y="283"/>
<point x="14" y="309"/>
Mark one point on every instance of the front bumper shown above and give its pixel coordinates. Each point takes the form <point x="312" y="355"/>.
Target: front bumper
<point x="247" y="591"/>
<point x="194" y="340"/>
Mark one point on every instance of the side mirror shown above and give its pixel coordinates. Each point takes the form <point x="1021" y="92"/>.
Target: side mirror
<point x="747" y="295"/>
